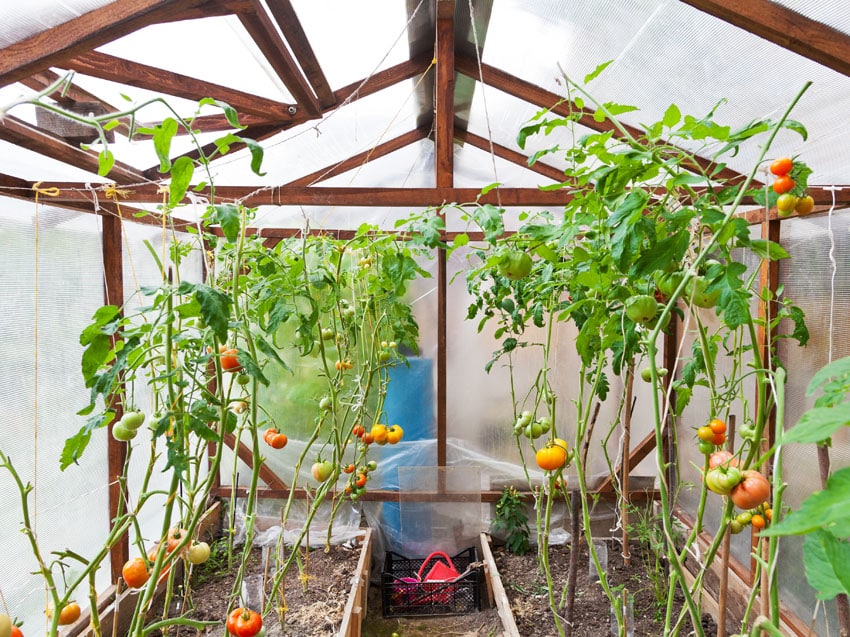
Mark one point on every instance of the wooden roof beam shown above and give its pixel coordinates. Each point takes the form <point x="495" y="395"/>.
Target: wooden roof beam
<point x="359" y="159"/>
<point x="90" y="30"/>
<point x="289" y="24"/>
<point x="22" y="134"/>
<point x="528" y="92"/>
<point x="115" y="69"/>
<point x="262" y="30"/>
<point x="789" y="29"/>
<point x="510" y="155"/>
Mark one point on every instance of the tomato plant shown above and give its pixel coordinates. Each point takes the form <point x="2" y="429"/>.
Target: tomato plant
<point x="135" y="572"/>
<point x="752" y="491"/>
<point x="805" y="205"/>
<point x="783" y="184"/>
<point x="243" y="622"/>
<point x="198" y="553"/>
<point x="641" y="308"/>
<point x="781" y="166"/>
<point x="515" y="264"/>
<point x="321" y="470"/>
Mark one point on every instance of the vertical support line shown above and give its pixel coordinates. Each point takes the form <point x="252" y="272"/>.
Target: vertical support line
<point x="671" y="338"/>
<point x="113" y="294"/>
<point x="444" y="163"/>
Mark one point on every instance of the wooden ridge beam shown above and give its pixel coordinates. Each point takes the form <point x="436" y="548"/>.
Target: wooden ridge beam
<point x="20" y="133"/>
<point x="262" y="30"/>
<point x="359" y="159"/>
<point x="115" y="69"/>
<point x="533" y="94"/>
<point x="789" y="29"/>
<point x="90" y="30"/>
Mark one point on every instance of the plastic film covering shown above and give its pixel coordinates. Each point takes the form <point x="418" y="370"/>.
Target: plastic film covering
<point x="819" y="286"/>
<point x="46" y="304"/>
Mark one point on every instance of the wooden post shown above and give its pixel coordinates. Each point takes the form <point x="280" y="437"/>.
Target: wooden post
<point x="625" y="470"/>
<point x="113" y="294"/>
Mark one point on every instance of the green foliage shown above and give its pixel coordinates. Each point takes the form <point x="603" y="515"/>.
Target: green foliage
<point x="511" y="522"/>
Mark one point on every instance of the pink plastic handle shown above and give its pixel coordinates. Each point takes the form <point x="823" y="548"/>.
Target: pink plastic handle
<point x="428" y="559"/>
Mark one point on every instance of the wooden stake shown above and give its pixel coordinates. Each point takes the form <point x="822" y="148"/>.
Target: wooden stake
<point x="624" y="479"/>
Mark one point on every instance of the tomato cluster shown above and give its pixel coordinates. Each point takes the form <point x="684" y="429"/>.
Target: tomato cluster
<point x="791" y="198"/>
<point x="380" y="434"/>
<point x="356" y="486"/>
<point x="530" y="427"/>
<point x="711" y="436"/>
<point x="758" y="517"/>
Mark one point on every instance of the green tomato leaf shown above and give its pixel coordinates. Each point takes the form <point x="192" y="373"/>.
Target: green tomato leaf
<point x="822" y="509"/>
<point x="105" y="162"/>
<point x="74" y="448"/>
<point x="181" y="176"/>
<point x="672" y="116"/>
<point x="256" y="155"/>
<point x="227" y="216"/>
<point x="825" y="560"/>
<point x="264" y="346"/>
<point x="163" y="133"/>
<point x="215" y="308"/>
<point x="797" y="127"/>
<point x="595" y="72"/>
<point x="769" y="250"/>
<point x="817" y="424"/>
<point x="839" y="369"/>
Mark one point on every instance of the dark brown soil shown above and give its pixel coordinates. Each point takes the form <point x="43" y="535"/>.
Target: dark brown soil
<point x="527" y="590"/>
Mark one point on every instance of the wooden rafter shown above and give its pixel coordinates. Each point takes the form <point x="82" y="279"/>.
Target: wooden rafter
<point x="115" y="69"/>
<point x="90" y="30"/>
<point x="289" y="24"/>
<point x="359" y="159"/>
<point x="22" y="134"/>
<point x="789" y="29"/>
<point x="533" y="94"/>
<point x="262" y="30"/>
<point x="510" y="155"/>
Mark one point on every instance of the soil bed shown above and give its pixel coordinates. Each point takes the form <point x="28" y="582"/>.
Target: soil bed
<point x="528" y="592"/>
<point x="315" y="601"/>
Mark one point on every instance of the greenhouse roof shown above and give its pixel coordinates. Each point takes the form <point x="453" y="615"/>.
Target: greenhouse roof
<point x="368" y="110"/>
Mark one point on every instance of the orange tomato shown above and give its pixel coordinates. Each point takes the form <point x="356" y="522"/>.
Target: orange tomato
<point x="379" y="433"/>
<point x="783" y="184"/>
<point x="551" y="457"/>
<point x="781" y="166"/>
<point x="229" y="360"/>
<point x="718" y="439"/>
<point x="135" y="572"/>
<point x="757" y="521"/>
<point x="69" y="614"/>
<point x="717" y="426"/>
<point x="394" y="434"/>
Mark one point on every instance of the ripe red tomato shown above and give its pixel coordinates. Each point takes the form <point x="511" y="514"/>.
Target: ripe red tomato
<point x="781" y="166"/>
<point x="783" y="184"/>
<point x="244" y="622"/>
<point x="360" y="481"/>
<point x="230" y="360"/>
<point x="16" y="631"/>
<point x="752" y="491"/>
<point x="135" y="572"/>
<point x="349" y="468"/>
<point x="718" y="439"/>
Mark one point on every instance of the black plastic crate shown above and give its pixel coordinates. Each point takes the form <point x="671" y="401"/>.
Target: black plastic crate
<point x="402" y="595"/>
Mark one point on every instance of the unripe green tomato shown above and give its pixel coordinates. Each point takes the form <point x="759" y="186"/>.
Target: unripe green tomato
<point x="383" y="356"/>
<point x="371" y="465"/>
<point x="736" y="527"/>
<point x="744" y="518"/>
<point x="325" y="403"/>
<point x="122" y="433"/>
<point x="327" y="334"/>
<point x="243" y="379"/>
<point x="641" y="308"/>
<point x="706" y="447"/>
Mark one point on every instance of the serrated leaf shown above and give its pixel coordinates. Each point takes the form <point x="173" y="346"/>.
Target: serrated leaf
<point x="817" y="424"/>
<point x="181" y="176"/>
<point x="822" y="509"/>
<point x="74" y="448"/>
<point x="595" y="72"/>
<point x="672" y="116"/>
<point x="227" y="216"/>
<point x="215" y="309"/>
<point x="841" y="367"/>
<point x="264" y="346"/>
<point x="820" y="567"/>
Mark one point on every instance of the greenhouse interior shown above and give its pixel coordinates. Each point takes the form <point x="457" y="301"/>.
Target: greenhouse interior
<point x="425" y="317"/>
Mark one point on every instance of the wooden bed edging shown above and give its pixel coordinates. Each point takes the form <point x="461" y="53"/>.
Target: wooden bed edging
<point x="495" y="589"/>
<point x="355" y="607"/>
